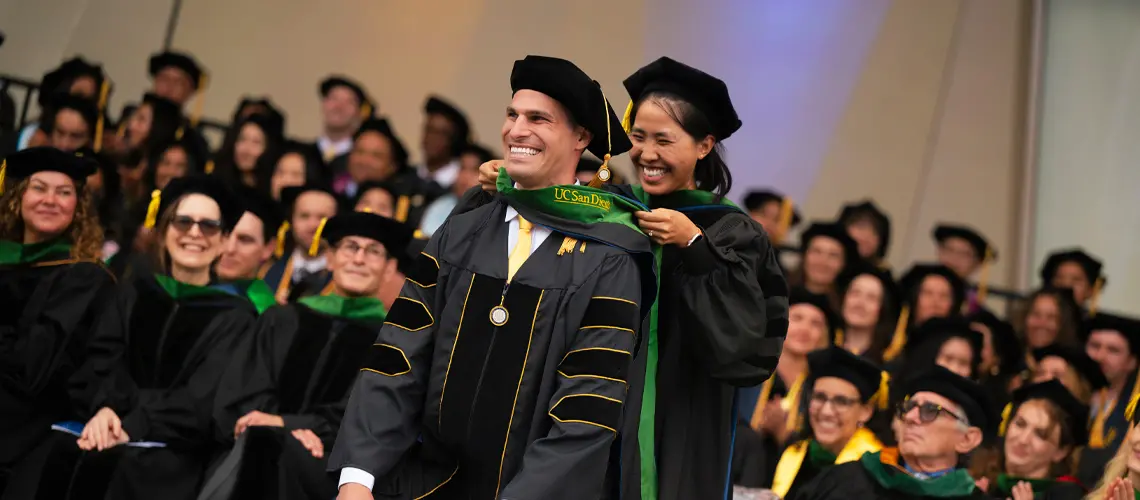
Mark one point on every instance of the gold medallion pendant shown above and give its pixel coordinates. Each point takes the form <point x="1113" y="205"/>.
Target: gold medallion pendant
<point x="499" y="316"/>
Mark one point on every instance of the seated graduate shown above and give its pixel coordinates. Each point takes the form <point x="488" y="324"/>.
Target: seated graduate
<point x="1071" y="366"/>
<point x="827" y="252"/>
<point x="870" y="227"/>
<point x="929" y="291"/>
<point x="249" y="246"/>
<point x="1121" y="478"/>
<point x="502" y="369"/>
<point x="966" y="252"/>
<point x="774" y="211"/>
<point x="1113" y="341"/>
<point x="155" y="359"/>
<point x="301" y="266"/>
<point x="1041" y="429"/>
<point x="1053" y="317"/>
<point x="285" y="391"/>
<point x="842" y="393"/>
<point x="870" y="303"/>
<point x="1002" y="355"/>
<point x="52" y="285"/>
<point x="942" y="420"/>
<point x="1075" y="269"/>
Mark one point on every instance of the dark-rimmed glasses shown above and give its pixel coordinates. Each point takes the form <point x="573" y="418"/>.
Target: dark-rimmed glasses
<point x="927" y="412"/>
<point x="374" y="251"/>
<point x="208" y="227"/>
<point x="839" y="403"/>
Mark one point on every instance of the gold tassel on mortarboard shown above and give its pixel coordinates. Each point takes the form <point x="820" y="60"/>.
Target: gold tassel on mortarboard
<point x="403" y="203"/>
<point x="3" y="172"/>
<point x="1005" y="414"/>
<point x="152" y="209"/>
<point x="200" y="101"/>
<point x="1094" y="297"/>
<point x="603" y="174"/>
<point x="787" y="211"/>
<point x="1130" y="410"/>
<point x="984" y="277"/>
<point x="625" y="119"/>
<point x="883" y="395"/>
<point x="315" y="247"/>
<point x="282" y="232"/>
<point x="210" y="167"/>
<point x="899" y="339"/>
<point x="104" y="92"/>
<point x="179" y="133"/>
<point x="122" y="132"/>
<point x="838" y="337"/>
<point x="365" y="111"/>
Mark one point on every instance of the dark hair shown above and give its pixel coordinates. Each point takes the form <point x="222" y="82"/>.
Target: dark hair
<point x="163" y="130"/>
<point x="884" y="329"/>
<point x="711" y="172"/>
<point x="957" y="300"/>
<point x="1069" y="312"/>
<point x="226" y="168"/>
<point x="155" y="157"/>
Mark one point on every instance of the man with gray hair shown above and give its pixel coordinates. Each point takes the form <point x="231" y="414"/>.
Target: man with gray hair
<point x="943" y="418"/>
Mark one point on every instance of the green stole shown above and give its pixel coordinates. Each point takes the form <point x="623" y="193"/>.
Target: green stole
<point x="255" y="291"/>
<point x="12" y="253"/>
<point x="1005" y="483"/>
<point x="356" y="308"/>
<point x="884" y="468"/>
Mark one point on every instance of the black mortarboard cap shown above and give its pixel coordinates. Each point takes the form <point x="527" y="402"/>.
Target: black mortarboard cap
<point x="879" y="218"/>
<point x="800" y="295"/>
<point x="395" y="236"/>
<point x="207" y="185"/>
<point x="1004" y="339"/>
<point x="756" y="199"/>
<point x="969" y="395"/>
<point x="58" y="80"/>
<point x="393" y="190"/>
<point x="1055" y="392"/>
<point x="273" y="126"/>
<point x="939" y="330"/>
<point x="179" y="60"/>
<point x="22" y="164"/>
<point x="367" y="107"/>
<point x="945" y="231"/>
<point x="1077" y="359"/>
<point x="383" y="127"/>
<point x="436" y="105"/>
<point x="289" y="194"/>
<point x="314" y="162"/>
<point x="579" y="94"/>
<point x="835" y="232"/>
<point x="838" y="362"/>
<point x="914" y="277"/>
<point x="1091" y="265"/>
<point x="1129" y="328"/>
<point x="266" y="107"/>
<point x="87" y="108"/>
<point x="163" y="108"/>
<point x="263" y="207"/>
<point x="705" y="92"/>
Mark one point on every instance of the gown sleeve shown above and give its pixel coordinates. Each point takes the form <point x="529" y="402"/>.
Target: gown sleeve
<point x="735" y="300"/>
<point x="104" y="380"/>
<point x="381" y="419"/>
<point x="472" y="199"/>
<point x="570" y="462"/>
<point x="183" y="414"/>
<point x="249" y="381"/>
<point x="62" y="325"/>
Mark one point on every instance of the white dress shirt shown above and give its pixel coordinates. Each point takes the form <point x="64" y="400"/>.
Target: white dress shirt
<point x="538" y="234"/>
<point x="336" y="147"/>
<point x="302" y="264"/>
<point x="444" y="176"/>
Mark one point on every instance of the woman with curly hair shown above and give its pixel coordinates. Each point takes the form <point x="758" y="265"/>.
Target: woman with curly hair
<point x="51" y="284"/>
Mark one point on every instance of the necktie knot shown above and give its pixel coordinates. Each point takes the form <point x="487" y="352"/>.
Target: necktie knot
<point x="525" y="225"/>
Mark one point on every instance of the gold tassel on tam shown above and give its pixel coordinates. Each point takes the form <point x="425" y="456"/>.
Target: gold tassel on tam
<point x="625" y="119"/>
<point x="200" y="102"/>
<point x="152" y="209"/>
<point x="838" y="337"/>
<point x="403" y="203"/>
<point x="282" y="233"/>
<point x="787" y="211"/>
<point x="603" y="174"/>
<point x="1130" y="410"/>
<point x="315" y="247"/>
<point x="883" y="395"/>
<point x="3" y="172"/>
<point x="899" y="339"/>
<point x="365" y="111"/>
<point x="210" y="167"/>
<point x="1005" y="414"/>
<point x="984" y="278"/>
<point x="103" y="93"/>
<point x="1094" y="297"/>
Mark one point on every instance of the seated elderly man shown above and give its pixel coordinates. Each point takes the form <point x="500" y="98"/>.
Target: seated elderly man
<point x="943" y="418"/>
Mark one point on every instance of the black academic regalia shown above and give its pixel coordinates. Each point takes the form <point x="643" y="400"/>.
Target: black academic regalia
<point x="525" y="410"/>
<point x="1047" y="490"/>
<point x="721" y="325"/>
<point x="299" y="364"/>
<point x="156" y="360"/>
<point x="852" y="480"/>
<point x="279" y="279"/>
<point x="1095" y="458"/>
<point x="47" y="309"/>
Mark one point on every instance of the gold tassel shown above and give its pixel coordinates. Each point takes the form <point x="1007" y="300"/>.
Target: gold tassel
<point x="122" y="128"/>
<point x="883" y="395"/>
<point x="582" y="249"/>
<point x="568" y="245"/>
<point x="1130" y="410"/>
<point x="1094" y="298"/>
<point x="787" y="211"/>
<point x="315" y="247"/>
<point x="758" y="411"/>
<point x="282" y="232"/>
<point x="3" y="172"/>
<point x="839" y="337"/>
<point x="1005" y="414"/>
<point x="152" y="209"/>
<point x="402" y="205"/>
<point x="103" y="93"/>
<point x="419" y="234"/>
<point x="210" y="167"/>
<point x="625" y="119"/>
<point x="365" y="111"/>
<point x="200" y="102"/>
<point x="984" y="278"/>
<point x="179" y="133"/>
<point x="603" y="174"/>
<point x="794" y="419"/>
<point x="898" y="342"/>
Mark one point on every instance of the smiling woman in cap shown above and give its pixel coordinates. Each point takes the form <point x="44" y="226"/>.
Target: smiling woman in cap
<point x="1074" y="268"/>
<point x="52" y="285"/>
<point x="827" y="250"/>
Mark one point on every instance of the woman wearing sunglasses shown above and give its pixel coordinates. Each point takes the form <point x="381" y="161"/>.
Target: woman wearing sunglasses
<point x="1044" y="425"/>
<point x="52" y="284"/>
<point x="156" y="358"/>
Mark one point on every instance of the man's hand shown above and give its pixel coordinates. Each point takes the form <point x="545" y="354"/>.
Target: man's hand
<point x="489" y="175"/>
<point x="667" y="227"/>
<point x="256" y="418"/>
<point x="354" y="491"/>
<point x="103" y="431"/>
<point x="310" y="441"/>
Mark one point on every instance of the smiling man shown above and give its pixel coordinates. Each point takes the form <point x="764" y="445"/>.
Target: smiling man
<point x="1112" y="341"/>
<point x="502" y="369"/>
<point x="251" y="243"/>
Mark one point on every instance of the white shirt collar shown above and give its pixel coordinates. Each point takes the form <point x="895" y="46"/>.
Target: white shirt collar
<point x="444" y="176"/>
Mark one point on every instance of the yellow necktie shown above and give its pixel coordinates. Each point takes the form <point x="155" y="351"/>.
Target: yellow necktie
<point x="522" y="248"/>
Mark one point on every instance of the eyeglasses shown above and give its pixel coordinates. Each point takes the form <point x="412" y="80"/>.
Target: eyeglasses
<point x="927" y="412"/>
<point x="209" y="227"/>
<point x="839" y="403"/>
<point x="372" y="252"/>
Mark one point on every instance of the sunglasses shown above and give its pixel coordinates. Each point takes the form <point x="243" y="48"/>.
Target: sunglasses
<point x="208" y="227"/>
<point x="927" y="412"/>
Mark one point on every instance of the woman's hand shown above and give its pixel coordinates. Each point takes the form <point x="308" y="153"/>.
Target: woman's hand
<point x="1120" y="489"/>
<point x="667" y="227"/>
<point x="103" y="431"/>
<point x="1022" y="491"/>
<point x="489" y="175"/>
<point x="310" y="441"/>
<point x="256" y="418"/>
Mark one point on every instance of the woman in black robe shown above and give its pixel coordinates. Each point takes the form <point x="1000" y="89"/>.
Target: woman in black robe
<point x="827" y="252"/>
<point x="249" y="155"/>
<point x="1044" y="425"/>
<point x="1002" y="359"/>
<point x="52" y="284"/>
<point x="870" y="302"/>
<point x="155" y="360"/>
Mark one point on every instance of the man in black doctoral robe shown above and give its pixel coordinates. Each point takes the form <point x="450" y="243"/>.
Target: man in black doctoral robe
<point x="944" y="417"/>
<point x="285" y="391"/>
<point x="495" y="378"/>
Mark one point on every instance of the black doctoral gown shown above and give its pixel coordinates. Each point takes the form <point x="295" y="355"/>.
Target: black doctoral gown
<point x="300" y="364"/>
<point x="156" y="357"/>
<point x="722" y="317"/>
<point x="1102" y="448"/>
<point x="859" y="480"/>
<point x="521" y="403"/>
<point x="48" y="304"/>
<point x="1043" y="489"/>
